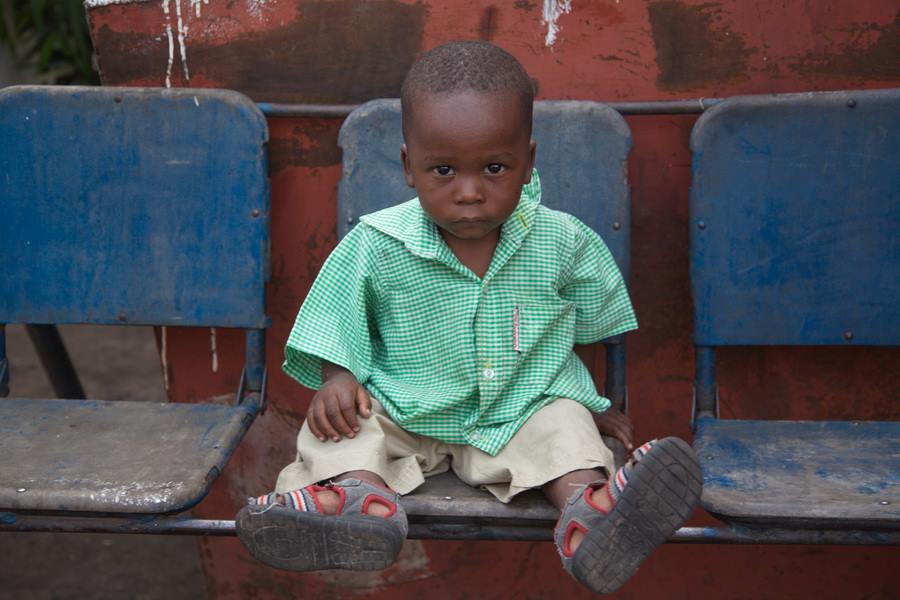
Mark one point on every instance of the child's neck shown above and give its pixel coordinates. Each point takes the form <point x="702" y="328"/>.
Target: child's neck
<point x="476" y="255"/>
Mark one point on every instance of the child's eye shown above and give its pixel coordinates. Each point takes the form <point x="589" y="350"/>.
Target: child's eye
<point x="495" y="168"/>
<point x="443" y="170"/>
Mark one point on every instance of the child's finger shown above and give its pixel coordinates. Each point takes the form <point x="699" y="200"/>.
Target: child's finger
<point x="363" y="402"/>
<point x="313" y="426"/>
<point x="623" y="434"/>
<point x="325" y="423"/>
<point x="336" y="417"/>
<point x="348" y="411"/>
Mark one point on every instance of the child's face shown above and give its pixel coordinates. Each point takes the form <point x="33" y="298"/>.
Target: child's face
<point x="468" y="155"/>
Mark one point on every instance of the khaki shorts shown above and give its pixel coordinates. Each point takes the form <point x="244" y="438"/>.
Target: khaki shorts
<point x="558" y="439"/>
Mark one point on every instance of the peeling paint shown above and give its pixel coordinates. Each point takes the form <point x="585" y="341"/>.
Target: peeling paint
<point x="871" y="51"/>
<point x="694" y="48"/>
<point x="552" y="11"/>
<point x="93" y="3"/>
<point x="165" y="6"/>
<point x="181" y="30"/>
<point x="133" y="494"/>
<point x="356" y="62"/>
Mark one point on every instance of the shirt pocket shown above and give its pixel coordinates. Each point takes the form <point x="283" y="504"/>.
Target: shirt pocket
<point x="538" y="326"/>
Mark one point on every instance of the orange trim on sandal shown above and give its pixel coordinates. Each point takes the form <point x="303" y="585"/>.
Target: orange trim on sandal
<point x="379" y="500"/>
<point x="567" y="541"/>
<point x="588" y="497"/>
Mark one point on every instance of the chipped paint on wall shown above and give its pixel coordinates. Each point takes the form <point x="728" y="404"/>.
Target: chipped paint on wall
<point x="862" y="50"/>
<point x="179" y="29"/>
<point x="93" y="3"/>
<point x="551" y="13"/>
<point x="196" y="5"/>
<point x="695" y="47"/>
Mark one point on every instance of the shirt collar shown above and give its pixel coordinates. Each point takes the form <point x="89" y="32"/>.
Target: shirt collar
<point x="410" y="224"/>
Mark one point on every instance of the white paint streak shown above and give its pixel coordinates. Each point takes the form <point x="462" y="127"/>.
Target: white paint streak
<point x="182" y="32"/>
<point x="196" y="5"/>
<point x="165" y="7"/>
<point x="163" y="358"/>
<point x="254" y="7"/>
<point x="552" y="11"/>
<point x="93" y="3"/>
<point x="215" y="355"/>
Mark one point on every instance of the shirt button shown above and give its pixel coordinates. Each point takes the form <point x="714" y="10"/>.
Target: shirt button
<point x="476" y="436"/>
<point x="489" y="373"/>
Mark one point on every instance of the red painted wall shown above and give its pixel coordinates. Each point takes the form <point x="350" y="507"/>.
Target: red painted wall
<point x="347" y="51"/>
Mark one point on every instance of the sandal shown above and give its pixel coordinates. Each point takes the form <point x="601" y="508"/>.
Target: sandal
<point x="298" y="537"/>
<point x="652" y="496"/>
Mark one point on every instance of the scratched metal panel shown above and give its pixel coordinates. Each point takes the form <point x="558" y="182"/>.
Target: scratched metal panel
<point x="132" y="205"/>
<point x="582" y="148"/>
<point x="802" y="473"/>
<point x="119" y="457"/>
<point x="795" y="220"/>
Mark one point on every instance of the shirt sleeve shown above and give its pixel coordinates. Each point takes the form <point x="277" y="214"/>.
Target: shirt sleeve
<point x="596" y="287"/>
<point x="334" y="321"/>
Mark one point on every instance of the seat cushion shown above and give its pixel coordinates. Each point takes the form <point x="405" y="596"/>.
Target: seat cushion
<point x="113" y="457"/>
<point x="832" y="474"/>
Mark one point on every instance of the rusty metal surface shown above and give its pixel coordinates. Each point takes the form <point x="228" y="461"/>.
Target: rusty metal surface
<point x="606" y="51"/>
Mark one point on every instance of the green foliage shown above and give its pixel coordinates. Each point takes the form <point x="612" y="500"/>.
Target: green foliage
<point x="49" y="38"/>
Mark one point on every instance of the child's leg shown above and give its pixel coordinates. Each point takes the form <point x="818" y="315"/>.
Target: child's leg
<point x="352" y="521"/>
<point x="606" y="529"/>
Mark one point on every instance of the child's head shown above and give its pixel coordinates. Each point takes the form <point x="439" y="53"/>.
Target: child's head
<point x="467" y="109"/>
<point x="470" y="66"/>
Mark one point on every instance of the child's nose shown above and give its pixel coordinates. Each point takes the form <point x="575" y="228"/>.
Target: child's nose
<point x="469" y="190"/>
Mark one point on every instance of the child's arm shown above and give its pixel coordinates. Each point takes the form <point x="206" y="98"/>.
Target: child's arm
<point x="332" y="412"/>
<point x="612" y="421"/>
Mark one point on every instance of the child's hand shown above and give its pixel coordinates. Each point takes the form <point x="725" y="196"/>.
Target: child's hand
<point x="613" y="422"/>
<point x="332" y="412"/>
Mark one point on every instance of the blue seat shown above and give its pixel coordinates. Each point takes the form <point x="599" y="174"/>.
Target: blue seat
<point x="795" y="222"/>
<point x="582" y="152"/>
<point x="121" y="207"/>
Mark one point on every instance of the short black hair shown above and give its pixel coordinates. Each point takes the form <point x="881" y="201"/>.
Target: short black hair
<point x="466" y="66"/>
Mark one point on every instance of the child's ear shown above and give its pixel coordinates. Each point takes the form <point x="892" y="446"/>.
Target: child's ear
<point x="407" y="168"/>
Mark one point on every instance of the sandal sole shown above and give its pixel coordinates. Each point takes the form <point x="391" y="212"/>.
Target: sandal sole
<point x="304" y="541"/>
<point x="660" y="496"/>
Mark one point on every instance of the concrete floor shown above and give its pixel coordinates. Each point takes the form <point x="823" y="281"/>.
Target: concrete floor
<point x="114" y="363"/>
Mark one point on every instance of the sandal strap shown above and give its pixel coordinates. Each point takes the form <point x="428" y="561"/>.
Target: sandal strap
<point x="579" y="513"/>
<point x="623" y="473"/>
<point x="582" y="513"/>
<point x="356" y="496"/>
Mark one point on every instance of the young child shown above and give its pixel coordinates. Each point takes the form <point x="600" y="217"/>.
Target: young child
<point x="440" y="334"/>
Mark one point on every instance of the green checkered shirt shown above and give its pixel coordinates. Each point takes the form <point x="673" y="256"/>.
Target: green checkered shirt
<point x="451" y="356"/>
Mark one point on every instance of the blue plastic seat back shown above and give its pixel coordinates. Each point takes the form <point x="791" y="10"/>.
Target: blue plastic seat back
<point x="795" y="217"/>
<point x="132" y="206"/>
<point x="582" y="148"/>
